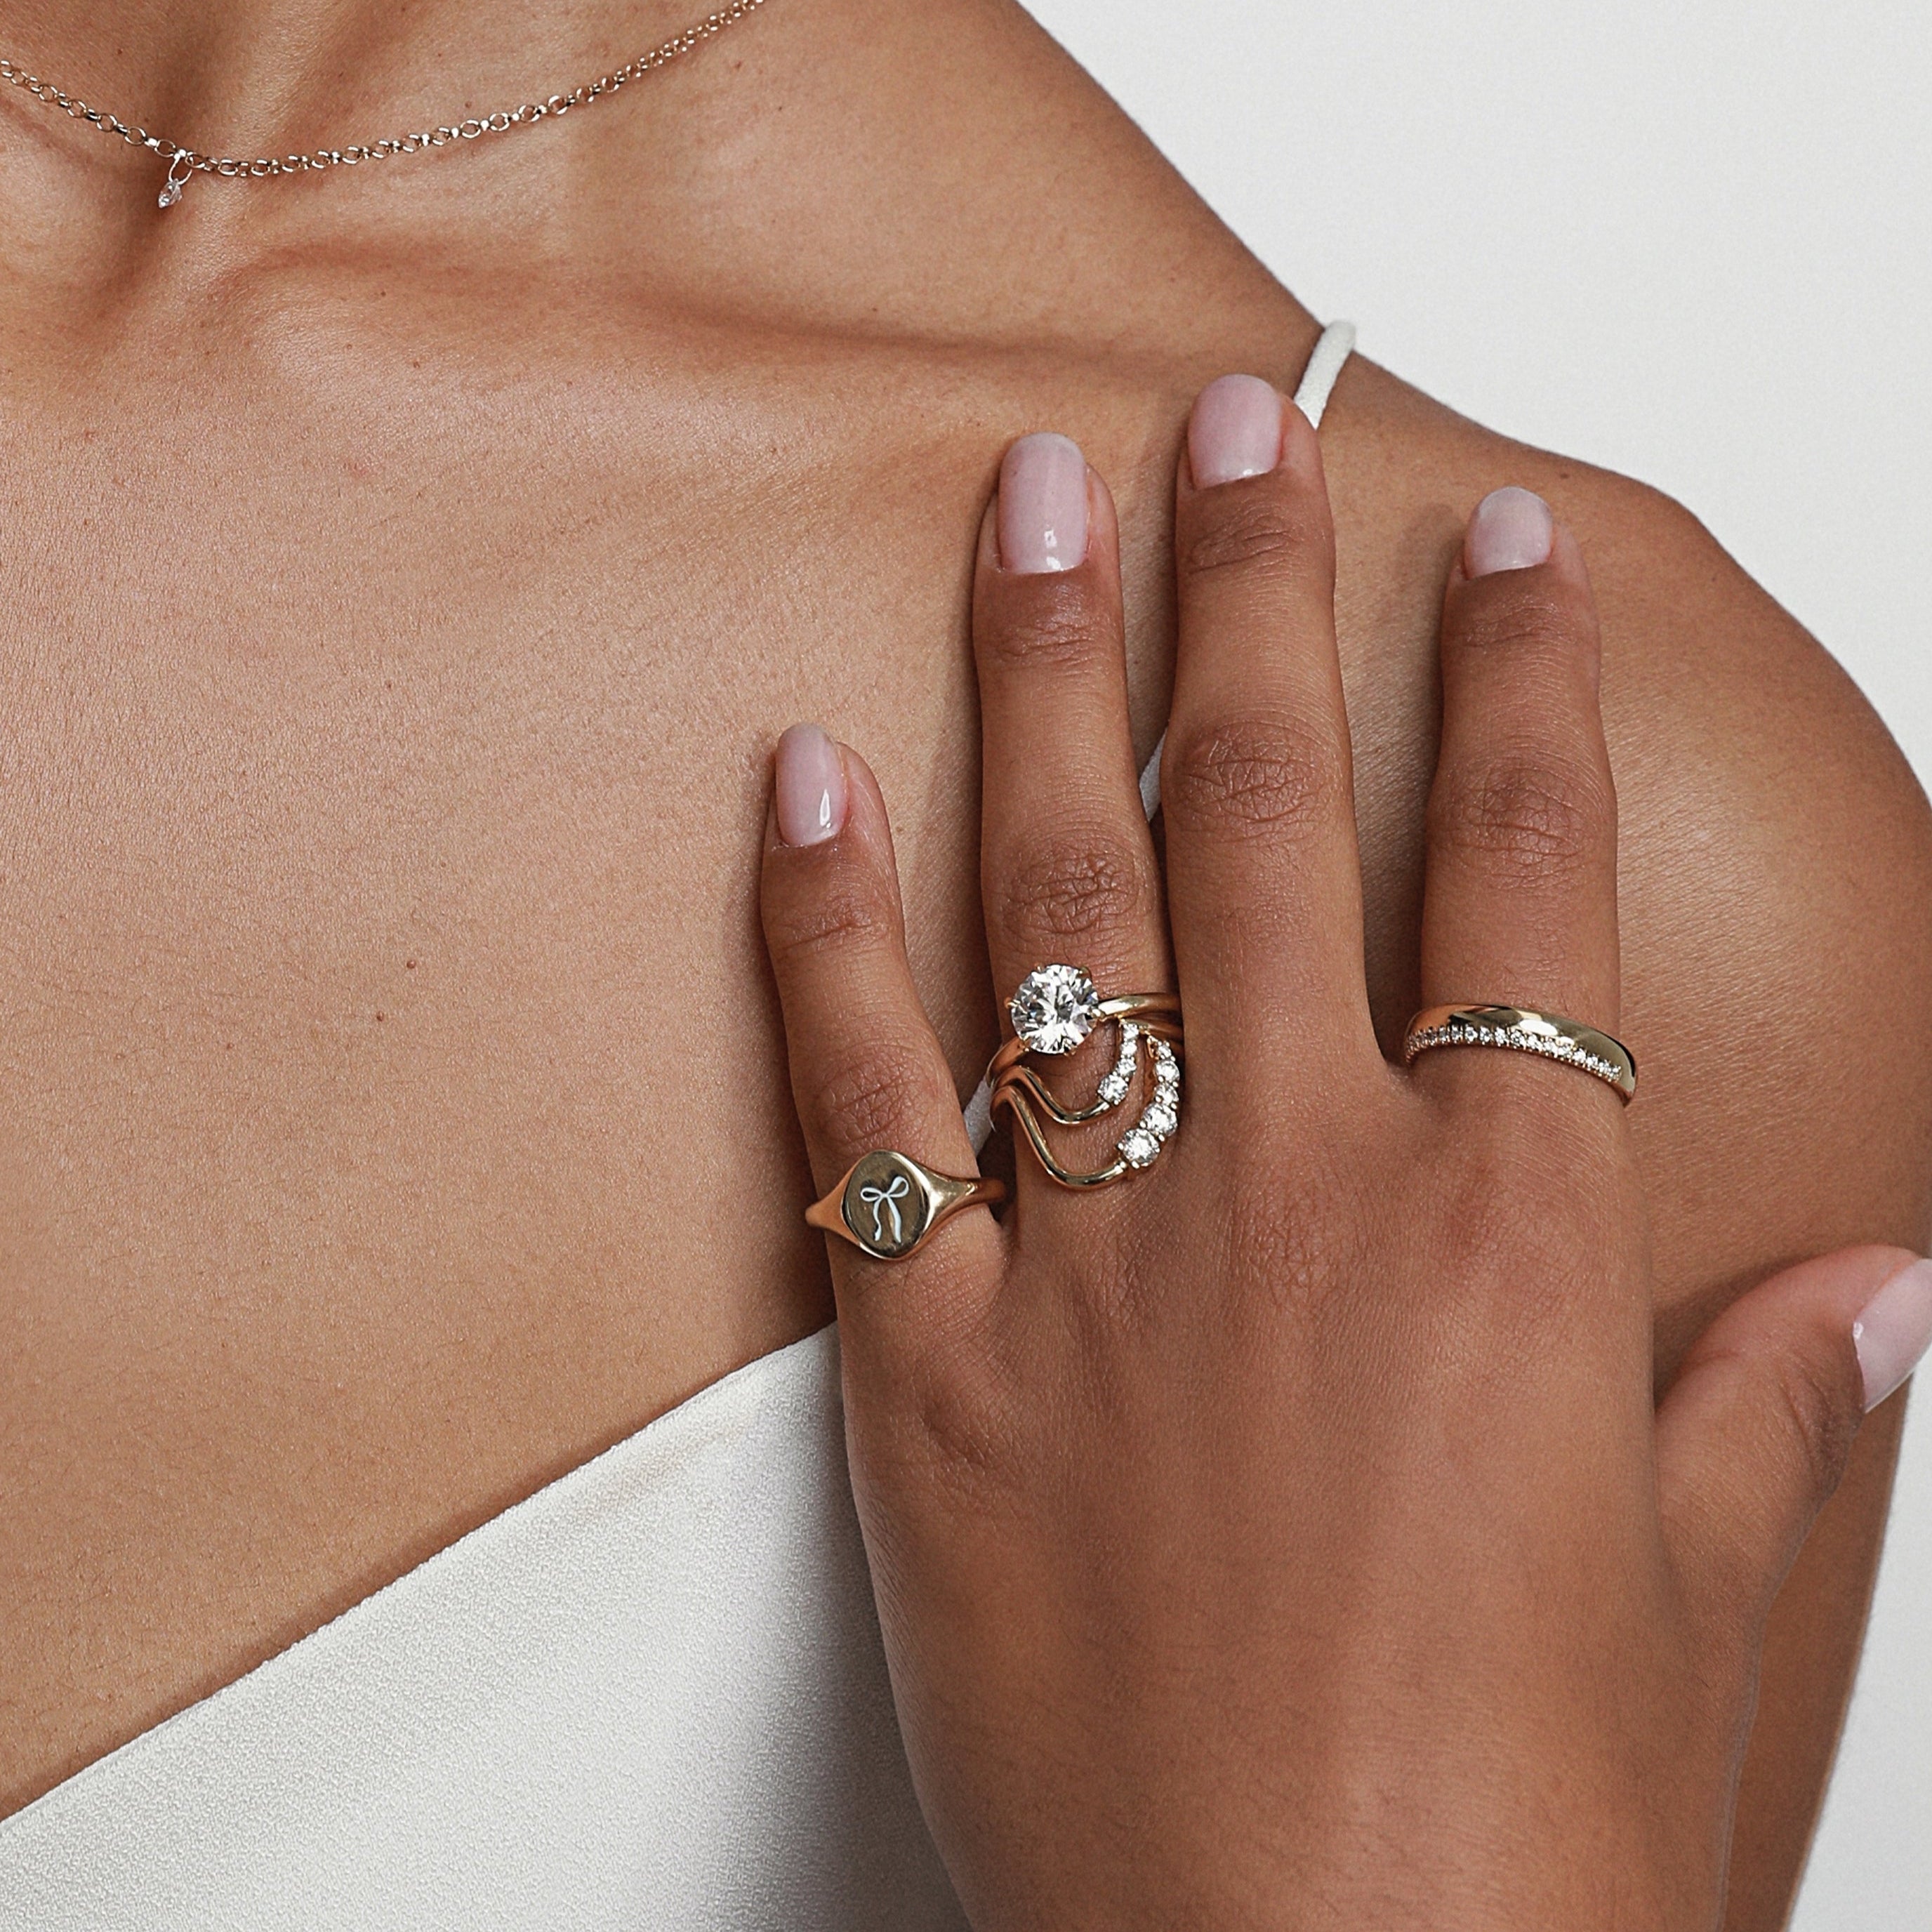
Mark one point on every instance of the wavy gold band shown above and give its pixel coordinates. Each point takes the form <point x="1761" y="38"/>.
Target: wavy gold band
<point x="1523" y="1030"/>
<point x="1055" y="1009"/>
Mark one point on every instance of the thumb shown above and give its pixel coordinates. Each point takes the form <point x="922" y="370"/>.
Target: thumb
<point x="1755" y="1430"/>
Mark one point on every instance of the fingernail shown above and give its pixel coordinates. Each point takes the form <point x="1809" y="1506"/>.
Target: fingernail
<point x="1511" y="530"/>
<point x="1235" y="430"/>
<point x="1043" y="506"/>
<point x="811" y="787"/>
<point x="1894" y="1330"/>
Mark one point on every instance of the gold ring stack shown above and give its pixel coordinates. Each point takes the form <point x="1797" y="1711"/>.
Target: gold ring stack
<point x="1521" y="1030"/>
<point x="1056" y="1009"/>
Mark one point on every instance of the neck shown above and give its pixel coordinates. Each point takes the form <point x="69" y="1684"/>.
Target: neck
<point x="842" y="165"/>
<point x="248" y="77"/>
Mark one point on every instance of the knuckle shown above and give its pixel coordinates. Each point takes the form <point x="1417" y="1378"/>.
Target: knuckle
<point x="948" y="1410"/>
<point x="966" y="1424"/>
<point x="1529" y="807"/>
<point x="1042" y="625"/>
<point x="1518" y="616"/>
<point x="1261" y="532"/>
<point x="876" y="1091"/>
<point x="1253" y="775"/>
<point x="1075" y="886"/>
<point x="1500" y="1268"/>
<point x="846" y="914"/>
<point x="1818" y="1408"/>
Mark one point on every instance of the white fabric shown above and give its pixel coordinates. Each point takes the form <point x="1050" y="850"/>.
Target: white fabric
<point x="1333" y="348"/>
<point x="651" y="1696"/>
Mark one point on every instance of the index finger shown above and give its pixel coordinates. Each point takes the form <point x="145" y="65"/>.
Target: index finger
<point x="868" y="1073"/>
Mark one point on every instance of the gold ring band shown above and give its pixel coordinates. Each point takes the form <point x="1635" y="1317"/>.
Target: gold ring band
<point x="1157" y="1013"/>
<point x="1521" y="1030"/>
<point x="888" y="1205"/>
<point x="1055" y="1009"/>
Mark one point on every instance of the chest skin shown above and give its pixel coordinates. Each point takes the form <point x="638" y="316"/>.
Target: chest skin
<point x="392" y="1104"/>
<point x="393" y="634"/>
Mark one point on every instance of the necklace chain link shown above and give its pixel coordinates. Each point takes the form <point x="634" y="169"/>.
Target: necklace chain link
<point x="184" y="163"/>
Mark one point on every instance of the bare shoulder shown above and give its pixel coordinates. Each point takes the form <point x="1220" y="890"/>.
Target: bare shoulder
<point x="1777" y="914"/>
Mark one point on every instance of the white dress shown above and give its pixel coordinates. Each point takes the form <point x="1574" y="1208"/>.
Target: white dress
<point x="651" y="1695"/>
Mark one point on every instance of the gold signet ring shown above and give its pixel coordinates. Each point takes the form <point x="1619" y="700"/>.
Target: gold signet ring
<point x="888" y="1205"/>
<point x="1518" y="1029"/>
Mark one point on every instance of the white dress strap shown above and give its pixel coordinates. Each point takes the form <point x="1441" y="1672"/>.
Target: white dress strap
<point x="1336" y="345"/>
<point x="1324" y="363"/>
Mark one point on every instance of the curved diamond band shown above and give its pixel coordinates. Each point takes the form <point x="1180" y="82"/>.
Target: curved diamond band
<point x="1055" y="1009"/>
<point x="1521" y="1030"/>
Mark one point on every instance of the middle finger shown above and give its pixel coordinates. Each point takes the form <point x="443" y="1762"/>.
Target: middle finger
<point x="1264" y="876"/>
<point x="1067" y="864"/>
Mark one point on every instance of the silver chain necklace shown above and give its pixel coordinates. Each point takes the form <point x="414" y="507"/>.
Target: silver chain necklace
<point x="184" y="163"/>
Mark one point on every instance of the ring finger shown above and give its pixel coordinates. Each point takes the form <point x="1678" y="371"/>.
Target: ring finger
<point x="1520" y="907"/>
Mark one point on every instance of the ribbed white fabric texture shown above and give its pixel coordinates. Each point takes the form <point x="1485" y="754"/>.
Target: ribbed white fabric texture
<point x="651" y="1698"/>
<point x="1333" y="348"/>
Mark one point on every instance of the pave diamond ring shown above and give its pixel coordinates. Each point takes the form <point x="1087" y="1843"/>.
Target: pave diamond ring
<point x="1056" y="1009"/>
<point x="1523" y="1031"/>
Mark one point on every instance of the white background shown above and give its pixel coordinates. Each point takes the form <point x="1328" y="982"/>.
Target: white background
<point x="1693" y="242"/>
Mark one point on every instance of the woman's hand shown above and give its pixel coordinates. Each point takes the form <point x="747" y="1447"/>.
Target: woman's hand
<point x="1288" y="1536"/>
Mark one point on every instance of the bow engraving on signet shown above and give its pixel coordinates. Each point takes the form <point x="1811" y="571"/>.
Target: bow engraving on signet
<point x="884" y="1201"/>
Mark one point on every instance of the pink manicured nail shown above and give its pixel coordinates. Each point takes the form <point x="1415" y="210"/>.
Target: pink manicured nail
<point x="1235" y="430"/>
<point x="1511" y="530"/>
<point x="1894" y="1330"/>
<point x="811" y="787"/>
<point x="1043" y="506"/>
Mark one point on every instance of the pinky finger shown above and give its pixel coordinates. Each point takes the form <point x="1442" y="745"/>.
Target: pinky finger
<point x="868" y="1073"/>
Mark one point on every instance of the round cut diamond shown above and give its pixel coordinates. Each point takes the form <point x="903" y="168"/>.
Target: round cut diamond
<point x="1055" y="1008"/>
<point x="1138" y="1147"/>
<point x="1120" y="1077"/>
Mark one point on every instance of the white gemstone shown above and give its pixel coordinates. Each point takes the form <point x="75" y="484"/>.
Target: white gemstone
<point x="1160" y="1118"/>
<point x="170" y="194"/>
<point x="1055" y="1008"/>
<point x="1138" y="1147"/>
<point x="1114" y="1088"/>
